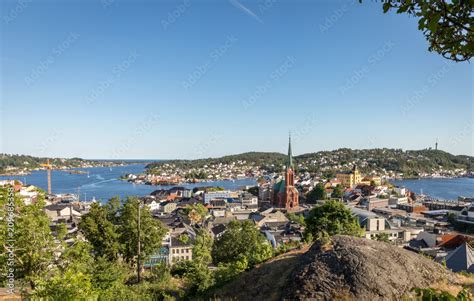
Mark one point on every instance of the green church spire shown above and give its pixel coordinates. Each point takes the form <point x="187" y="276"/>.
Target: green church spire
<point x="290" y="156"/>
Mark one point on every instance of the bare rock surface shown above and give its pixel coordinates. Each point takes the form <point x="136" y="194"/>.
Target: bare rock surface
<point x="347" y="268"/>
<point x="361" y="269"/>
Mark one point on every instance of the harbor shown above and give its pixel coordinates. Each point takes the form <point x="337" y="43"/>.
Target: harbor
<point x="103" y="183"/>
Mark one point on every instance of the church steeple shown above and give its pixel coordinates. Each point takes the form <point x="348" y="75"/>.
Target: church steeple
<point x="289" y="163"/>
<point x="285" y="195"/>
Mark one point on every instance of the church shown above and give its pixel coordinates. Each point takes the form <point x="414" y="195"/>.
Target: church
<point x="284" y="194"/>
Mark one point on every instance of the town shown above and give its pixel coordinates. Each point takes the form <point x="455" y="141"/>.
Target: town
<point x="382" y="163"/>
<point x="236" y="150"/>
<point x="20" y="165"/>
<point x="277" y="209"/>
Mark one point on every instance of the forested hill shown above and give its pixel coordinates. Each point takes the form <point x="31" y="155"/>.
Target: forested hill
<point x="257" y="158"/>
<point x="14" y="163"/>
<point x="410" y="162"/>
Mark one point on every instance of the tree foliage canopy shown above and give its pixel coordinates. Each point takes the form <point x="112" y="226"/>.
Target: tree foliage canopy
<point x="241" y="240"/>
<point x="33" y="242"/>
<point x="317" y="193"/>
<point x="101" y="232"/>
<point x="338" y="192"/>
<point x="447" y="25"/>
<point x="128" y="230"/>
<point x="196" y="213"/>
<point x="330" y="219"/>
<point x="113" y="229"/>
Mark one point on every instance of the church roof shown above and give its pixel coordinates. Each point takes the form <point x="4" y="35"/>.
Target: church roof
<point x="279" y="186"/>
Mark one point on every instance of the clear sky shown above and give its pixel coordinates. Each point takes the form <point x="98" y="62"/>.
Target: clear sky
<point x="190" y="79"/>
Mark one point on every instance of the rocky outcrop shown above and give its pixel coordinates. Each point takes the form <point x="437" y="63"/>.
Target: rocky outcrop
<point x="346" y="268"/>
<point x="361" y="269"/>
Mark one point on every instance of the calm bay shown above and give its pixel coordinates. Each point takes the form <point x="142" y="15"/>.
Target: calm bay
<point x="103" y="183"/>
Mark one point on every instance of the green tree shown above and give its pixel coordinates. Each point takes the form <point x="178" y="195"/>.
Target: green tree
<point x="101" y="232"/>
<point x="447" y="25"/>
<point x="317" y="193"/>
<point x="382" y="237"/>
<point x="196" y="213"/>
<point x="61" y="231"/>
<point x="33" y="242"/>
<point x="241" y="238"/>
<point x="72" y="277"/>
<point x="202" y="248"/>
<point x="107" y="274"/>
<point x="152" y="231"/>
<point x="253" y="190"/>
<point x="297" y="218"/>
<point x="228" y="271"/>
<point x="338" y="192"/>
<point x="67" y="285"/>
<point x="113" y="208"/>
<point x="199" y="278"/>
<point x="330" y="219"/>
<point x="78" y="257"/>
<point x="430" y="294"/>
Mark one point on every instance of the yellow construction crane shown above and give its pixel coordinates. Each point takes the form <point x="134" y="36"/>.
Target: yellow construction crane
<point x="48" y="167"/>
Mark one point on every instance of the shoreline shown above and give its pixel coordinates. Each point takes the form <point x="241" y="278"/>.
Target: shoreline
<point x="430" y="178"/>
<point x="66" y="169"/>
<point x="191" y="182"/>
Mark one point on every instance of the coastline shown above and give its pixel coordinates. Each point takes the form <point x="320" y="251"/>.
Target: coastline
<point x="72" y="170"/>
<point x="446" y="189"/>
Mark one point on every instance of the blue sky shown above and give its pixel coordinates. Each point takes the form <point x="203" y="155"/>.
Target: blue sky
<point x="190" y="79"/>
